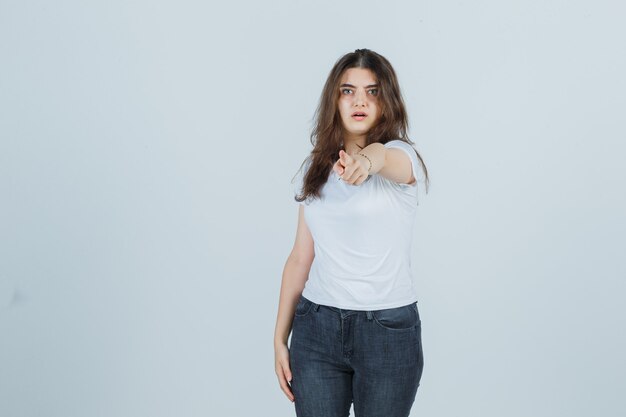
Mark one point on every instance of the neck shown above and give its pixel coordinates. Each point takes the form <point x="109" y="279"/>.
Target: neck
<point x="353" y="145"/>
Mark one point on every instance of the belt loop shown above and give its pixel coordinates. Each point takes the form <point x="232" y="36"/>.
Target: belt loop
<point x="316" y="306"/>
<point x="369" y="314"/>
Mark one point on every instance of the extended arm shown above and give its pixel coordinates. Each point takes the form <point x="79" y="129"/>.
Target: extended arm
<point x="391" y="163"/>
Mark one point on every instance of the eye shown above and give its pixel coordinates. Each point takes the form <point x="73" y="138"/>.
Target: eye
<point x="373" y="91"/>
<point x="343" y="91"/>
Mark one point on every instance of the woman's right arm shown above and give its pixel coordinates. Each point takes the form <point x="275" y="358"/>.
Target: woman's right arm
<point x="295" y="275"/>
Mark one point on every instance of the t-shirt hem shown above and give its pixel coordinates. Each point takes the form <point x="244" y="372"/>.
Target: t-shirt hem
<point x="342" y="306"/>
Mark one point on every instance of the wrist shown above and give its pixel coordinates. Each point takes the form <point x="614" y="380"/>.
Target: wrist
<point x="365" y="161"/>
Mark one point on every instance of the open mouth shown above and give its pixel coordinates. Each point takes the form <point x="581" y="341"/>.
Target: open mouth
<point x="359" y="115"/>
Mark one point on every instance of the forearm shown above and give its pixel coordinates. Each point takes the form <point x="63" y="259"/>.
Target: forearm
<point x="375" y="153"/>
<point x="295" y="275"/>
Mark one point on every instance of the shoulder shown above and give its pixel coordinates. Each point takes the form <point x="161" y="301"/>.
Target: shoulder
<point x="304" y="167"/>
<point x="298" y="178"/>
<point x="397" y="143"/>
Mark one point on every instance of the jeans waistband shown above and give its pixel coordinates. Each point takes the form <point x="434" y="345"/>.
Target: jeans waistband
<point x="343" y="312"/>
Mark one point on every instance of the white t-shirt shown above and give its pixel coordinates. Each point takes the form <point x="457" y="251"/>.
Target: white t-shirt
<point x="362" y="240"/>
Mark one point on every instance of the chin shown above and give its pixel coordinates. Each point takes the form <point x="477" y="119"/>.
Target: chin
<point x="362" y="131"/>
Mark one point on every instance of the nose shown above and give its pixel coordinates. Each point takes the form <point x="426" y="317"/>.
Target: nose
<point x="359" y="98"/>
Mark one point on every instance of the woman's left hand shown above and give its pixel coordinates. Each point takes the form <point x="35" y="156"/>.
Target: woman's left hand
<point x="351" y="169"/>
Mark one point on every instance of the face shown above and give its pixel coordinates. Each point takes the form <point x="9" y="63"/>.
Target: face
<point x="358" y="102"/>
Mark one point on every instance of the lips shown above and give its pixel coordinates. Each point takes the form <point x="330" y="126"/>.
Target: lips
<point x="359" y="115"/>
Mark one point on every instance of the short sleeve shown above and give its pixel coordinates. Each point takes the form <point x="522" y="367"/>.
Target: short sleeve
<point x="408" y="192"/>
<point x="416" y="165"/>
<point x="298" y="180"/>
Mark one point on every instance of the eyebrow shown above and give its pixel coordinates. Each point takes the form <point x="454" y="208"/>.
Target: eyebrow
<point x="350" y="85"/>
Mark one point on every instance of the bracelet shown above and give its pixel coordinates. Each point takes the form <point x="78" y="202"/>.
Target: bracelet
<point x="368" y="169"/>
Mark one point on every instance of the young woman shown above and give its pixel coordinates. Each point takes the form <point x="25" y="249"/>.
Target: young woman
<point x="347" y="294"/>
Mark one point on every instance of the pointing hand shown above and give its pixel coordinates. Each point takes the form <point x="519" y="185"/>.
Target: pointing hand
<point x="351" y="169"/>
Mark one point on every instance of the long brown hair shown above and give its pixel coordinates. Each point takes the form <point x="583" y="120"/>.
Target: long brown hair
<point x="326" y="136"/>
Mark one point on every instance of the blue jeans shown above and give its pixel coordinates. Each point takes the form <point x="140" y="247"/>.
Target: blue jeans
<point x="372" y="358"/>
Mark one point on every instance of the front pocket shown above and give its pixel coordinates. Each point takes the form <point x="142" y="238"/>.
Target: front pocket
<point x="303" y="307"/>
<point x="397" y="319"/>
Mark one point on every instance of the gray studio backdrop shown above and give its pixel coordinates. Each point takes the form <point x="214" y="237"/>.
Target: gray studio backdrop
<point x="146" y="154"/>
